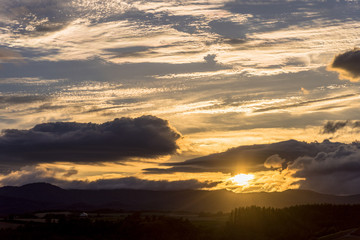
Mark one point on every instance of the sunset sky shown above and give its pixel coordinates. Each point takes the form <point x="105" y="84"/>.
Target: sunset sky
<point x="209" y="94"/>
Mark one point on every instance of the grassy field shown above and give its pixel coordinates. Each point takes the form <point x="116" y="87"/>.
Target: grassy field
<point x="200" y="219"/>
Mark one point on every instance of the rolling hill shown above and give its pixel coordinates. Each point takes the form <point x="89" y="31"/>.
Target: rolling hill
<point x="44" y="196"/>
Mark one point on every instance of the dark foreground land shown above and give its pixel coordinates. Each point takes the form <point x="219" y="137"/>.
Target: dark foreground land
<point x="42" y="197"/>
<point x="298" y="222"/>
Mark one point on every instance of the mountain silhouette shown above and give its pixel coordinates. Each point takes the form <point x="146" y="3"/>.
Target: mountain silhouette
<point x="44" y="196"/>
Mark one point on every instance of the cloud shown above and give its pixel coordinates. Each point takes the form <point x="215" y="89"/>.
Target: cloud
<point x="327" y="167"/>
<point x="356" y="124"/>
<point x="136" y="183"/>
<point x="21" y="99"/>
<point x="39" y="174"/>
<point x="235" y="41"/>
<point x="210" y="59"/>
<point x="181" y="169"/>
<point x="304" y="103"/>
<point x="304" y="91"/>
<point x="274" y="161"/>
<point x="70" y="172"/>
<point x="347" y="65"/>
<point x="117" y="140"/>
<point x="30" y="174"/>
<point x="334" y="126"/>
<point x="295" y="10"/>
<point x="335" y="172"/>
<point x="10" y="56"/>
<point x="101" y="71"/>
<point x="50" y="27"/>
<point x="4" y="119"/>
<point x="228" y="29"/>
<point x="252" y="158"/>
<point x="33" y="16"/>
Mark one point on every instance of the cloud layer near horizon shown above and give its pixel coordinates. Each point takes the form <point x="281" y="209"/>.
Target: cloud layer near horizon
<point x="114" y="141"/>
<point x="327" y="167"/>
<point x="34" y="174"/>
<point x="250" y="158"/>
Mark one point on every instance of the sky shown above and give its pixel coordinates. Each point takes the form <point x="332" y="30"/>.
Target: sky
<point x="208" y="94"/>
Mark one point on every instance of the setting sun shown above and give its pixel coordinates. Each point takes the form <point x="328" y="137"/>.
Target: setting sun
<point x="242" y="179"/>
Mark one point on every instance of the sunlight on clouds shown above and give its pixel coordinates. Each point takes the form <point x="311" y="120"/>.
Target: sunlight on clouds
<point x="264" y="181"/>
<point x="345" y="75"/>
<point x="268" y="181"/>
<point x="92" y="172"/>
<point x="261" y="53"/>
<point x="201" y="176"/>
<point x="170" y="44"/>
<point x="219" y="141"/>
<point x="242" y="179"/>
<point x="294" y="104"/>
<point x="197" y="75"/>
<point x="245" y="107"/>
<point x="221" y="78"/>
<point x="30" y="81"/>
<point x="210" y="10"/>
<point x="270" y="51"/>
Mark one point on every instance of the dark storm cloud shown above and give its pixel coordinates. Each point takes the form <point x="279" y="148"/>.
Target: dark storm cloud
<point x="348" y="65"/>
<point x="327" y="167"/>
<point x="335" y="172"/>
<point x="118" y="140"/>
<point x="248" y="158"/>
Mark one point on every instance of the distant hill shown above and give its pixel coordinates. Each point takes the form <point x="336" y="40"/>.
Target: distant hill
<point x="44" y="196"/>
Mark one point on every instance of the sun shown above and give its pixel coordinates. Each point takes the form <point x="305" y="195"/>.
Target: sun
<point x="242" y="179"/>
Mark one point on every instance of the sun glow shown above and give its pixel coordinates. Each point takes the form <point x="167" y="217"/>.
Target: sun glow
<point x="242" y="179"/>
